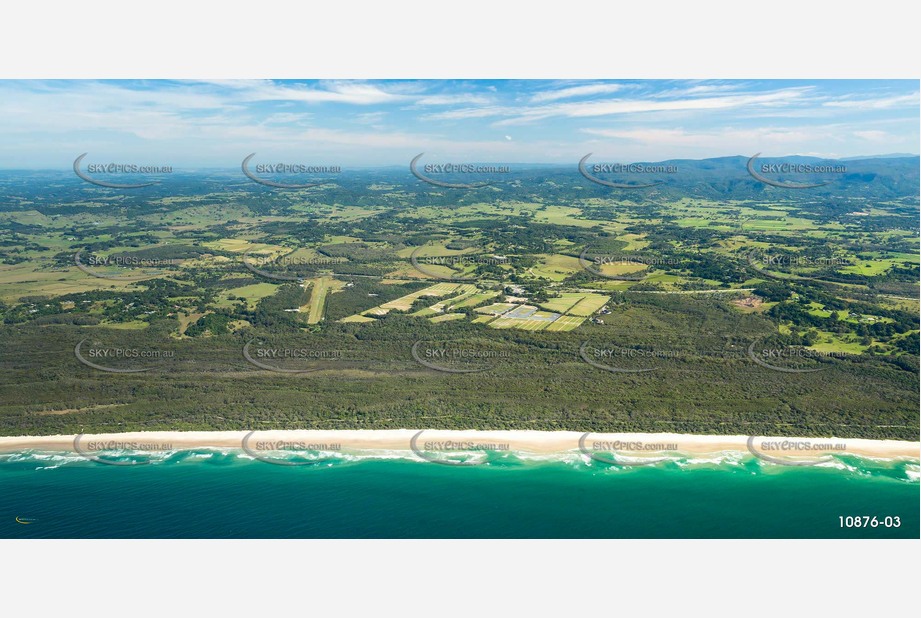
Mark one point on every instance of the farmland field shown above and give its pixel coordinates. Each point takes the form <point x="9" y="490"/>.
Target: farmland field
<point x="367" y="273"/>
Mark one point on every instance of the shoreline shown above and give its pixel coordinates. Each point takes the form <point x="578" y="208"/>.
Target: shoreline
<point x="629" y="445"/>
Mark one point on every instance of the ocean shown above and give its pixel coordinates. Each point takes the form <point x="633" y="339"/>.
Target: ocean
<point x="205" y="493"/>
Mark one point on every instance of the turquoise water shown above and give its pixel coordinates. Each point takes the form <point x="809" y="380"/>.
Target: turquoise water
<point x="211" y="494"/>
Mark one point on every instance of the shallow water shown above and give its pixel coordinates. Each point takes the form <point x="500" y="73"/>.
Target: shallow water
<point x="226" y="494"/>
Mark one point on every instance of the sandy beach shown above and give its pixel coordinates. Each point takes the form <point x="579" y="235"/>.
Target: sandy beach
<point x="534" y="442"/>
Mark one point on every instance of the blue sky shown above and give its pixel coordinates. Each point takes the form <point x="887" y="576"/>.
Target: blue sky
<point x="198" y="124"/>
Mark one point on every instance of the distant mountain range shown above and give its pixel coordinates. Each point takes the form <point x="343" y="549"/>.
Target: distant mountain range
<point x="881" y="178"/>
<point x="716" y="162"/>
<point x="895" y="155"/>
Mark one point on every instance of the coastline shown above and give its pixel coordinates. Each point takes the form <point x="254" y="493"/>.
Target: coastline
<point x="630" y="445"/>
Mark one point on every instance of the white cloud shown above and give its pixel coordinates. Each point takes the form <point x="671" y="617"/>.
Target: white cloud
<point x="575" y="91"/>
<point x="873" y="136"/>
<point x="517" y="115"/>
<point x="905" y="100"/>
<point x="679" y="142"/>
<point x="468" y="112"/>
<point x="370" y="117"/>
<point x="633" y="106"/>
<point x="454" y="99"/>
